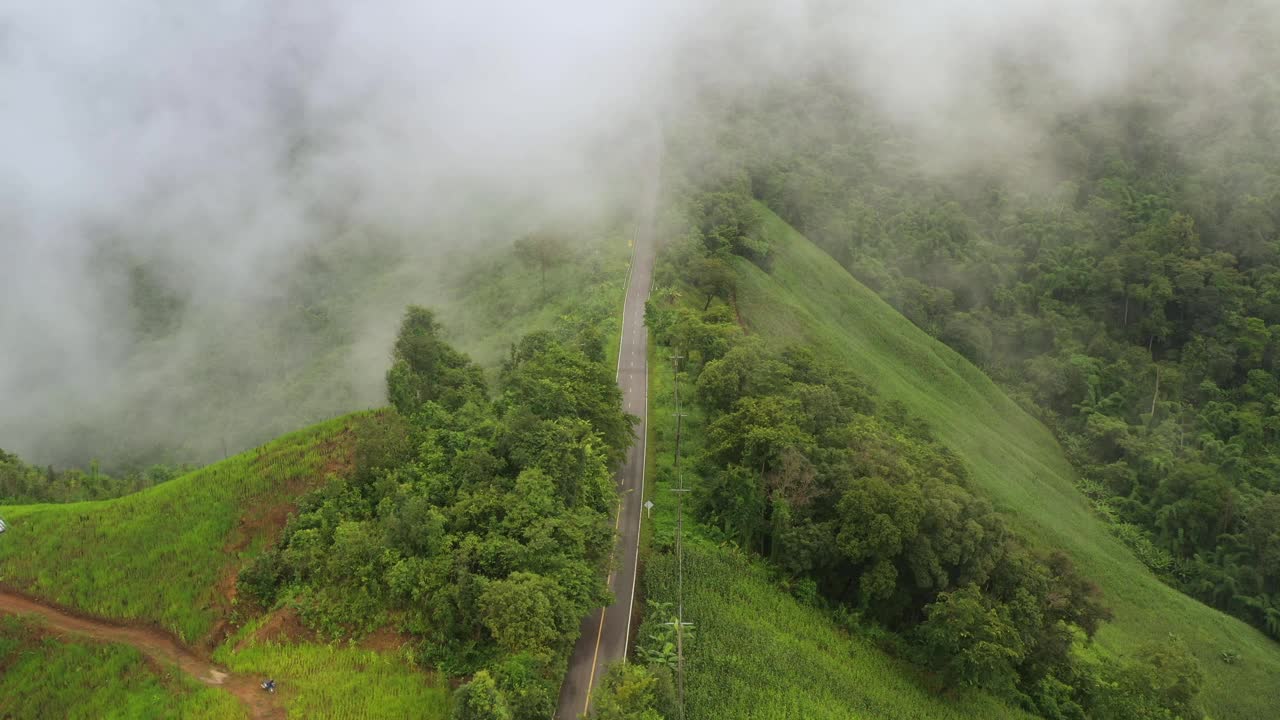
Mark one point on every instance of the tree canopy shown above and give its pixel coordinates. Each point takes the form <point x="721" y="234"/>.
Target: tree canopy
<point x="479" y="526"/>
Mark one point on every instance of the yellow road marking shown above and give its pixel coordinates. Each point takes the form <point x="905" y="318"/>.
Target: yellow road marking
<point x="592" y="677"/>
<point x="595" y="656"/>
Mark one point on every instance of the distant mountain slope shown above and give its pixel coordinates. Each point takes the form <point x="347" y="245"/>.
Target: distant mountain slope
<point x="807" y="297"/>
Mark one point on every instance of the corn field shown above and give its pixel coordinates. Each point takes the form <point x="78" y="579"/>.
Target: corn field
<point x="757" y="654"/>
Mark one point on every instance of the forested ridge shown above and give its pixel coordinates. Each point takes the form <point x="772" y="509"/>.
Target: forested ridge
<point x="1129" y="296"/>
<point x="860" y="510"/>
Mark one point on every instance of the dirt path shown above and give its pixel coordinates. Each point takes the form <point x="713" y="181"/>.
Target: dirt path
<point x="154" y="644"/>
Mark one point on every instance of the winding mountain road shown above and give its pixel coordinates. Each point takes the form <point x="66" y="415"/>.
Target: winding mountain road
<point x="605" y="633"/>
<point x="154" y="644"/>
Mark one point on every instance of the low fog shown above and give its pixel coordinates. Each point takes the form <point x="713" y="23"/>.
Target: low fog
<point x="208" y="152"/>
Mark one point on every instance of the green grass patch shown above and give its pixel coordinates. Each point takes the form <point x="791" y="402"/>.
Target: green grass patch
<point x="808" y="298"/>
<point x="341" y="682"/>
<point x="159" y="555"/>
<point x="42" y="676"/>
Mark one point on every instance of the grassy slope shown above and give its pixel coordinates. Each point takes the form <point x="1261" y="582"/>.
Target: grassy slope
<point x="757" y="653"/>
<point x="498" y="303"/>
<point x="158" y="555"/>
<point x="47" y="677"/>
<point x="807" y="297"/>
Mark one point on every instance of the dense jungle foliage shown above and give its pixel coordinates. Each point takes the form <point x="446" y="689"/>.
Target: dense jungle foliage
<point x="1129" y="295"/>
<point x="480" y="526"/>
<point x="863" y="511"/>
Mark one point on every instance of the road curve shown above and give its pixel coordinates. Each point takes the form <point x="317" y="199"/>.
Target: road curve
<point x="152" y="643"/>
<point x="606" y="631"/>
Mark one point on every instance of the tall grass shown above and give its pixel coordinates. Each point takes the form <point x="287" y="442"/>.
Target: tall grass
<point x="808" y="298"/>
<point x="338" y="682"/>
<point x="158" y="555"/>
<point x="756" y="654"/>
<point x="46" y="677"/>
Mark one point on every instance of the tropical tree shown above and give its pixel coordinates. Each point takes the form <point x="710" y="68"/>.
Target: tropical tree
<point x="543" y="250"/>
<point x="480" y="699"/>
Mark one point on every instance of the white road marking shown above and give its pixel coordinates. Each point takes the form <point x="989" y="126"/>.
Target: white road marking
<point x="644" y="455"/>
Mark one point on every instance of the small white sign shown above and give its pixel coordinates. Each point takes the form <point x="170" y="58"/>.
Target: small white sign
<point x="648" y="505"/>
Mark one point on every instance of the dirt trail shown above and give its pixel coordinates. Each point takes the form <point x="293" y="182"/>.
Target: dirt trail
<point x="154" y="644"/>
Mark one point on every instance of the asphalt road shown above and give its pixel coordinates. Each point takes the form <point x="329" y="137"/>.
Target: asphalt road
<point x="606" y="632"/>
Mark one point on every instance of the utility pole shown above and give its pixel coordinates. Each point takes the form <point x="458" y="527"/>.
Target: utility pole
<point x="679" y="623"/>
<point x="679" y="628"/>
<point x="675" y="376"/>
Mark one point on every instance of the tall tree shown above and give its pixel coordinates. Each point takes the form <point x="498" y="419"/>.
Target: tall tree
<point x="543" y="250"/>
<point x="426" y="369"/>
<point x="713" y="277"/>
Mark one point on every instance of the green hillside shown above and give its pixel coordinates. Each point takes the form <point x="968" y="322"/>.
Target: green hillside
<point x="168" y="556"/>
<point x="107" y="558"/>
<point x="808" y="298"/>
<point x="338" y="681"/>
<point x="164" y="555"/>
<point x="756" y="652"/>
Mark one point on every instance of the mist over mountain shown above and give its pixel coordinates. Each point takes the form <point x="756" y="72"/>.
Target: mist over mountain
<point x="182" y="181"/>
